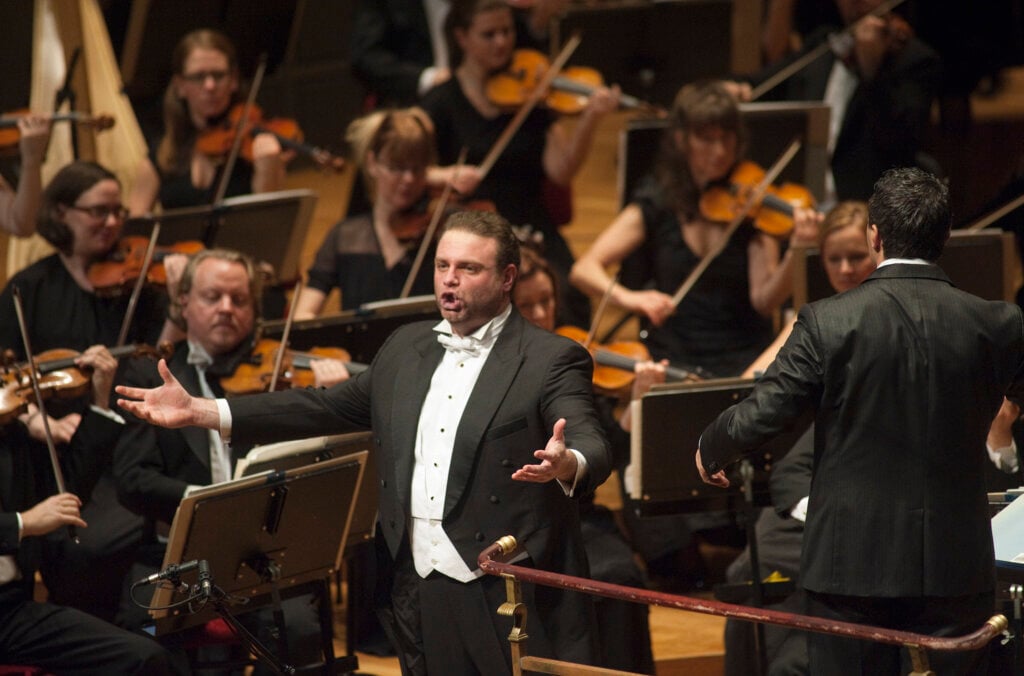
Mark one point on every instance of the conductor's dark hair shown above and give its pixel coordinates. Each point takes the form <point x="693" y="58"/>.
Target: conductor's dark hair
<point x="911" y="209"/>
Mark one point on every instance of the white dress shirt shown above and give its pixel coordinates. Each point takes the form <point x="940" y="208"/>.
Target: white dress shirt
<point x="220" y="454"/>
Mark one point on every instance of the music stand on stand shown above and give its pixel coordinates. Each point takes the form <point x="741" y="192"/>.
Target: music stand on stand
<point x="289" y="454"/>
<point x="256" y="536"/>
<point x="666" y="478"/>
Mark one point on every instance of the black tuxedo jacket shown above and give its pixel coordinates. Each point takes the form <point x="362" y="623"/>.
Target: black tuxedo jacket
<point x="391" y="47"/>
<point x="885" y="118"/>
<point x="530" y="379"/>
<point x="905" y="374"/>
<point x="153" y="465"/>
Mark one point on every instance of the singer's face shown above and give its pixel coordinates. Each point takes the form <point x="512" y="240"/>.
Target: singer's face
<point x="469" y="287"/>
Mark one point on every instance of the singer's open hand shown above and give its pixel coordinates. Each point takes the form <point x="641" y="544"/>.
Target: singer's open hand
<point x="168" y="405"/>
<point x="556" y="461"/>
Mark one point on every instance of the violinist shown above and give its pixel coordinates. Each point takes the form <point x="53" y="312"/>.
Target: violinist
<point x="218" y="301"/>
<point x="204" y="89"/>
<point x="399" y="49"/>
<point x="880" y="81"/>
<point x="57" y="638"/>
<point x="723" y="323"/>
<point x="81" y="216"/>
<point x="368" y="256"/>
<point x="542" y="155"/>
<point x="18" y="208"/>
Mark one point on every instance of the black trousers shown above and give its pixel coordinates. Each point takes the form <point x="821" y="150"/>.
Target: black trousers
<point x="936" y="616"/>
<point x="68" y="641"/>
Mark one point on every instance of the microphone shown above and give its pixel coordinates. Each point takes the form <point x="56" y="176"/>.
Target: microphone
<point x="172" y="571"/>
<point x="204" y="578"/>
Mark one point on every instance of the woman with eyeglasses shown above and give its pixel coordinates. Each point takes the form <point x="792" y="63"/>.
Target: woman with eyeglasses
<point x="81" y="216"/>
<point x="368" y="256"/>
<point x="203" y="90"/>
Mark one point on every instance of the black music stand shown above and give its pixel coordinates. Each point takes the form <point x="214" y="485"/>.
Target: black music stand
<point x="671" y="418"/>
<point x="264" y="536"/>
<point x="361" y="332"/>
<point x="290" y="454"/>
<point x="270" y="227"/>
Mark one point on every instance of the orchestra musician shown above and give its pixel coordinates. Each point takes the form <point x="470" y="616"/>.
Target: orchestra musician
<point x="369" y="256"/>
<point x="880" y="83"/>
<point x="541" y="155"/>
<point x="399" y="49"/>
<point x="204" y="89"/>
<point x="218" y="301"/>
<point x="887" y="470"/>
<point x="81" y="216"/>
<point x="474" y="419"/>
<point x="46" y="635"/>
<point x="724" y="322"/>
<point x="18" y="208"/>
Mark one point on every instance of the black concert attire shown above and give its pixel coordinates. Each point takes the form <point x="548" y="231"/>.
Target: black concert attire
<point x="350" y="259"/>
<point x="59" y="639"/>
<point x="60" y="314"/>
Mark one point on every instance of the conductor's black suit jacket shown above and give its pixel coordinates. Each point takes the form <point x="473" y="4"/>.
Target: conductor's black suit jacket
<point x="530" y="379"/>
<point x="905" y="373"/>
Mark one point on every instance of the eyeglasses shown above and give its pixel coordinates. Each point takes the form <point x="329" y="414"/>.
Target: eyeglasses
<point x="102" y="212"/>
<point x="200" y="77"/>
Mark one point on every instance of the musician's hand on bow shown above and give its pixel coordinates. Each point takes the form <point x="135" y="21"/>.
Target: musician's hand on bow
<point x="870" y="44"/>
<point x="52" y="513"/>
<point x="556" y="461"/>
<point x="604" y="100"/>
<point x="717" y="479"/>
<point x="655" y="305"/>
<point x="741" y="91"/>
<point x="169" y="405"/>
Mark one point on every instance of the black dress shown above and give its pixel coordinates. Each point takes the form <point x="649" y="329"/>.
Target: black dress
<point x="714" y="327"/>
<point x="350" y="259"/>
<point x="176" y="190"/>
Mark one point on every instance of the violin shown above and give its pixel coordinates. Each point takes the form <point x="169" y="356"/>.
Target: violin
<point x="217" y="140"/>
<point x="256" y="373"/>
<point x="772" y="214"/>
<point x="118" y="272"/>
<point x="10" y="134"/>
<point x="614" y="363"/>
<point x="58" y="375"/>
<point x="512" y="87"/>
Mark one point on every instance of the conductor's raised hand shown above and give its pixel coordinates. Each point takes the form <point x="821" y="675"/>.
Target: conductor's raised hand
<point x="556" y="461"/>
<point x="168" y="405"/>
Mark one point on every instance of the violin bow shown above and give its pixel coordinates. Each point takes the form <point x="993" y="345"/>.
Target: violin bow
<point x="816" y="53"/>
<point x="741" y="215"/>
<point x="279" y="357"/>
<point x="986" y="221"/>
<point x="236" y="146"/>
<point x="531" y="102"/>
<point x="599" y="312"/>
<point x="133" y="300"/>
<point x="58" y="474"/>
<point x="435" y="219"/>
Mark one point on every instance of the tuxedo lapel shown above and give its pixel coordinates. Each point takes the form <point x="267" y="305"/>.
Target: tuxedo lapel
<point x="196" y="438"/>
<point x="496" y="377"/>
<point x="411" y="388"/>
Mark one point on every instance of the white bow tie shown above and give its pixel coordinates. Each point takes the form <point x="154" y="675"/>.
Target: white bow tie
<point x="467" y="345"/>
<point x="198" y="358"/>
